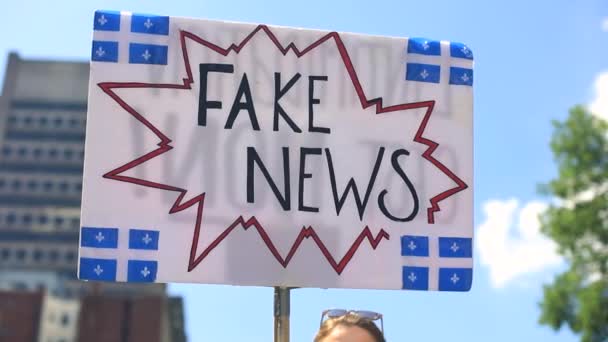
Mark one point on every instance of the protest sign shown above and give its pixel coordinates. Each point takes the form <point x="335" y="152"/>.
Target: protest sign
<point x="244" y="154"/>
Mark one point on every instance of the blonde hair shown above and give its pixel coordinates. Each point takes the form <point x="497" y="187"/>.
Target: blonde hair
<point x="349" y="320"/>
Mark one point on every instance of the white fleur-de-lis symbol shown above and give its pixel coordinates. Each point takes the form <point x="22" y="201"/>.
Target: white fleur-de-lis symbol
<point x="412" y="277"/>
<point x="146" y="55"/>
<point x="100" y="52"/>
<point x="145" y="272"/>
<point x="102" y="20"/>
<point x="465" y="78"/>
<point x="455" y="247"/>
<point x="98" y="270"/>
<point x="412" y="245"/>
<point x="99" y="237"/>
<point x="147" y="239"/>
<point x="466" y="51"/>
<point x="454" y="278"/>
<point x="148" y="24"/>
<point x="425" y="45"/>
<point x="424" y="74"/>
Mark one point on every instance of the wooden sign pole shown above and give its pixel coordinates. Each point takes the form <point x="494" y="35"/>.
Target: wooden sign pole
<point x="281" y="314"/>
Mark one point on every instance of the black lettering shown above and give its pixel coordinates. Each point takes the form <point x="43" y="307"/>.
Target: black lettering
<point x="304" y="151"/>
<point x="237" y="105"/>
<point x="278" y="94"/>
<point x="253" y="157"/>
<point x="312" y="101"/>
<point x="361" y="205"/>
<point x="203" y="104"/>
<point x="410" y="186"/>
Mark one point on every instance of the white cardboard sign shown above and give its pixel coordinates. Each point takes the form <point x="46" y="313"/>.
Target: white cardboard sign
<point x="246" y="154"/>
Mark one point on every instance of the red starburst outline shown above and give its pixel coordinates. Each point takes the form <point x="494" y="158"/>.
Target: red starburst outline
<point x="306" y="232"/>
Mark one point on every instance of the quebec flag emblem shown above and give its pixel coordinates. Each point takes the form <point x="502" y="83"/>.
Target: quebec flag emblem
<point x="134" y="39"/>
<point x="128" y="254"/>
<point x="111" y="253"/>
<point x="444" y="263"/>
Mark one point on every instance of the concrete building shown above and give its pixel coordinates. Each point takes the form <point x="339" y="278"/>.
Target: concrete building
<point x="42" y="130"/>
<point x="20" y="316"/>
<point x="42" y="121"/>
<point x="35" y="316"/>
<point x="58" y="319"/>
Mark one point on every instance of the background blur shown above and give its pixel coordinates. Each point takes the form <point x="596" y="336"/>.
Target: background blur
<point x="533" y="62"/>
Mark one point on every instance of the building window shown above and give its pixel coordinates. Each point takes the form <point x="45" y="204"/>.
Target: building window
<point x="68" y="154"/>
<point x="48" y="185"/>
<point x="58" y="221"/>
<point x="65" y="320"/>
<point x="37" y="255"/>
<point x="76" y="223"/>
<point x="37" y="152"/>
<point x="20" y="286"/>
<point x="6" y="151"/>
<point x="43" y="219"/>
<point x="2" y="183"/>
<point x="21" y="254"/>
<point x="22" y="151"/>
<point x="16" y="185"/>
<point x="43" y="121"/>
<point x="74" y="122"/>
<point x="58" y="121"/>
<point x="32" y="185"/>
<point x="11" y="218"/>
<point x="70" y="256"/>
<point x="63" y="186"/>
<point x="53" y="153"/>
<point x="27" y="218"/>
<point x="6" y="253"/>
<point x="27" y="120"/>
<point x="12" y="120"/>
<point x="53" y="255"/>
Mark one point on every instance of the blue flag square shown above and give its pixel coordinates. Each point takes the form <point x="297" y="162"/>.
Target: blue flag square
<point x="415" y="278"/>
<point x="424" y="46"/>
<point x="143" y="239"/>
<point x="415" y="246"/>
<point x="147" y="54"/>
<point x="142" y="271"/>
<point x="461" y="76"/>
<point x="150" y="24"/>
<point x="107" y="21"/>
<point x="459" y="50"/>
<point x="104" y="51"/>
<point x="99" y="237"/>
<point x="455" y="279"/>
<point x="450" y="247"/>
<point x="422" y="72"/>
<point x="97" y="269"/>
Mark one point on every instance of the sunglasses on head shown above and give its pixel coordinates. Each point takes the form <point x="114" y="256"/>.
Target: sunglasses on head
<point x="369" y="315"/>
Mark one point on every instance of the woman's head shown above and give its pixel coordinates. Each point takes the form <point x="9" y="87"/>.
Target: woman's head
<point x="349" y="328"/>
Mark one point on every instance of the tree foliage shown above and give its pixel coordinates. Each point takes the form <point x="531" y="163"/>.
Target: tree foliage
<point x="578" y="223"/>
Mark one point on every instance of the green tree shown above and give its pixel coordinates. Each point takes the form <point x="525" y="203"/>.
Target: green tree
<point x="578" y="223"/>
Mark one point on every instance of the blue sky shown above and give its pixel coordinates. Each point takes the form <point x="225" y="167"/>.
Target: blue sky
<point x="533" y="60"/>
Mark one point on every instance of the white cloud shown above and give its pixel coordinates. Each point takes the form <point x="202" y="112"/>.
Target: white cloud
<point x="510" y="243"/>
<point x="599" y="104"/>
<point x="605" y="25"/>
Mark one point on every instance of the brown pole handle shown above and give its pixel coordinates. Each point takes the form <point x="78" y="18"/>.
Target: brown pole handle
<point x="281" y="314"/>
